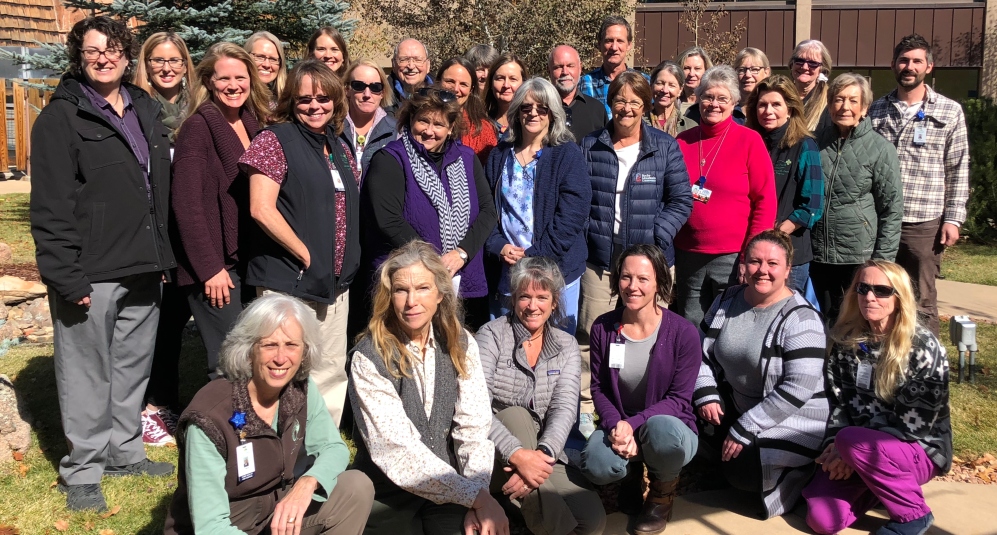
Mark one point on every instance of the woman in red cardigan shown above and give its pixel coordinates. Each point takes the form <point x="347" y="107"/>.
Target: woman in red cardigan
<point x="457" y="75"/>
<point x="733" y="193"/>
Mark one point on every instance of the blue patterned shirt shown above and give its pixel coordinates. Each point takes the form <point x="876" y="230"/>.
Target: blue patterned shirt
<point x="596" y="85"/>
<point x="516" y="207"/>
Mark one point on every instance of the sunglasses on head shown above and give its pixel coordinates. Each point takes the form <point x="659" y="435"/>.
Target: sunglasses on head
<point x="321" y="99"/>
<point x="799" y="62"/>
<point x="359" y="87"/>
<point x="541" y="110"/>
<point x="442" y="94"/>
<point x="881" y="291"/>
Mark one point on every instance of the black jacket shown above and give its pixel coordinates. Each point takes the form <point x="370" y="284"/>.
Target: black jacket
<point x="92" y="217"/>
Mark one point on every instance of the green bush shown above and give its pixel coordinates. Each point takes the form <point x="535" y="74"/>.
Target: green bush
<point x="981" y="126"/>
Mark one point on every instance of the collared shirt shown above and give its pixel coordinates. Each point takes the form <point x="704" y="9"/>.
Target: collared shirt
<point x="935" y="173"/>
<point x="585" y="115"/>
<point x="596" y="84"/>
<point x="127" y="125"/>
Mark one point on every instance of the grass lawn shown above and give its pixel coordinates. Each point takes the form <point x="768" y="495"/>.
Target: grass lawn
<point x="14" y="227"/>
<point x="969" y="262"/>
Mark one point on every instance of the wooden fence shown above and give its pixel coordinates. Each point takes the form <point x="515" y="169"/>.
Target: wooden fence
<point x="22" y="103"/>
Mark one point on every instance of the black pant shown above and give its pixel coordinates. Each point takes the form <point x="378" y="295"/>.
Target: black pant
<point x="831" y="281"/>
<point x="743" y="472"/>
<point x="164" y="380"/>
<point x="214" y="323"/>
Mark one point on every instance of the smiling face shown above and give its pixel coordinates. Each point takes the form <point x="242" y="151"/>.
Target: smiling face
<point x="313" y="108"/>
<point x="805" y="74"/>
<point x="328" y="52"/>
<point x="534" y="117"/>
<point x="876" y="310"/>
<point x="414" y="298"/>
<point x="665" y="89"/>
<point x="267" y="59"/>
<point x="431" y="129"/>
<point x="715" y="104"/>
<point x="102" y="72"/>
<point x="847" y="108"/>
<point x="411" y="63"/>
<point x="614" y="47"/>
<point x="534" y="306"/>
<point x="277" y="357"/>
<point x="365" y="101"/>
<point x="694" y="67"/>
<point x="166" y="76"/>
<point x="565" y="69"/>
<point x="230" y="83"/>
<point x="766" y="268"/>
<point x="457" y="80"/>
<point x="772" y="110"/>
<point x="750" y="73"/>
<point x="627" y="109"/>
<point x="506" y="81"/>
<point x="638" y="283"/>
<point x="911" y="67"/>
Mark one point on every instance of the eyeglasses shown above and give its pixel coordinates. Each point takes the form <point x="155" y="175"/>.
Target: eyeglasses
<point x="741" y="71"/>
<point x="360" y="87"/>
<point x="112" y="54"/>
<point x="260" y="59"/>
<point x="881" y="291"/>
<point x="710" y="99"/>
<point x="623" y="104"/>
<point x="321" y="99"/>
<point x="799" y="62"/>
<point x="158" y="63"/>
<point x="442" y="94"/>
<point x="541" y="110"/>
<point x="409" y="59"/>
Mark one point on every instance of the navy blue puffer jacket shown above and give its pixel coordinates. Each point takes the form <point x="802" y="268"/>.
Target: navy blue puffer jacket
<point x="656" y="202"/>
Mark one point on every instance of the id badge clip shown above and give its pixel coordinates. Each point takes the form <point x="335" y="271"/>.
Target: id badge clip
<point x="920" y="128"/>
<point x="699" y="191"/>
<point x="617" y="350"/>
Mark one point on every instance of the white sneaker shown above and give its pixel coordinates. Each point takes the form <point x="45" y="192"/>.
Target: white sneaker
<point x="154" y="432"/>
<point x="586" y="424"/>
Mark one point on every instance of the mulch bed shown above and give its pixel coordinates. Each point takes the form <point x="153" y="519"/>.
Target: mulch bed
<point x="981" y="471"/>
<point x="27" y="271"/>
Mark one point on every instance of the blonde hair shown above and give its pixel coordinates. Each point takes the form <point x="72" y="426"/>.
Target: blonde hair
<point x="814" y="107"/>
<point x="387" y="95"/>
<point x="141" y="77"/>
<point x="278" y="83"/>
<point x="258" y="102"/>
<point x="384" y="329"/>
<point x="853" y="329"/>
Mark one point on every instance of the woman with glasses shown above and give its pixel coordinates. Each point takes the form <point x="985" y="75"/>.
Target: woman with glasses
<point x="229" y="106"/>
<point x="775" y="110"/>
<point x="307" y="239"/>
<point x="863" y="194"/>
<point x="457" y="76"/>
<point x="426" y="185"/>
<point x="542" y="193"/>
<point x="889" y="432"/>
<point x="368" y="126"/>
<point x="162" y="71"/>
<point x="733" y="192"/>
<point x="328" y="46"/>
<point x="504" y="78"/>
<point x="810" y="68"/>
<point x="667" y="80"/>
<point x="271" y="63"/>
<point x="760" y="394"/>
<point x="752" y="66"/>
<point x="694" y="62"/>
<point x="640" y="194"/>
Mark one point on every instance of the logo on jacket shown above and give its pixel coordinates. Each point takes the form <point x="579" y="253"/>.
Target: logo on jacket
<point x="645" y="179"/>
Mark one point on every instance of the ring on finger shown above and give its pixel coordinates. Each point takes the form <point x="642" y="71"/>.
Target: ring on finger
<point x="290" y="520"/>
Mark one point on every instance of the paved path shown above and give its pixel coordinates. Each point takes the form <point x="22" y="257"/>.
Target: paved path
<point x="959" y="509"/>
<point x="15" y="186"/>
<point x="963" y="299"/>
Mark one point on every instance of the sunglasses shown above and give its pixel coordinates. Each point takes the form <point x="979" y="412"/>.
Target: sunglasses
<point x="321" y="99"/>
<point x="799" y="62"/>
<point x="541" y="110"/>
<point x="881" y="291"/>
<point x="444" y="95"/>
<point x="359" y="87"/>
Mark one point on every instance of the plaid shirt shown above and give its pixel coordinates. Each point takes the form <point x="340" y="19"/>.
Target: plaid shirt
<point x="936" y="173"/>
<point x="595" y="84"/>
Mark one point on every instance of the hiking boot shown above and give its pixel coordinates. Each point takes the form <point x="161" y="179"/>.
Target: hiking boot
<point x="657" y="510"/>
<point x="155" y="431"/>
<point x="918" y="526"/>
<point x="145" y="467"/>
<point x="84" y="497"/>
<point x="631" y="492"/>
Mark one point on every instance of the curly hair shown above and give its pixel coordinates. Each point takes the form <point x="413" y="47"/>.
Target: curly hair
<point x="118" y="36"/>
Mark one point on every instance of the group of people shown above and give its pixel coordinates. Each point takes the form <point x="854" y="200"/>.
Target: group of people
<point x="510" y="289"/>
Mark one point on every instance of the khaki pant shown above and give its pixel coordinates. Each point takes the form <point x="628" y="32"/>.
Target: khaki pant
<point x="346" y="510"/>
<point x="329" y="371"/>
<point x="595" y="300"/>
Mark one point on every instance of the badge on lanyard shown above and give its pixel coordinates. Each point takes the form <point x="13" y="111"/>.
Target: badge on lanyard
<point x="863" y="377"/>
<point x="617" y="350"/>
<point x="699" y="191"/>
<point x="245" y="462"/>
<point x="338" y="180"/>
<point x="920" y="128"/>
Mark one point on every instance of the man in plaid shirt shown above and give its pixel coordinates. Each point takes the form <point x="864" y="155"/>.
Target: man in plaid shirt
<point x="616" y="38"/>
<point x="929" y="132"/>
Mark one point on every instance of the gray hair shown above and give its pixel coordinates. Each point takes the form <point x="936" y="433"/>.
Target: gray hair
<point x="260" y="319"/>
<point x="544" y="273"/>
<point x="481" y="56"/>
<point x="849" y="79"/>
<point x="723" y="76"/>
<point x="544" y="93"/>
<point x="694" y="51"/>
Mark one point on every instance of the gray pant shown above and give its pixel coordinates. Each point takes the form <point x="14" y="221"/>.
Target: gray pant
<point x="103" y="356"/>
<point x="398" y="512"/>
<point x="666" y="444"/>
<point x="565" y="502"/>
<point x="699" y="279"/>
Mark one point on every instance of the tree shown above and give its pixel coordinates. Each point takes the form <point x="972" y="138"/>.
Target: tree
<point x="529" y="28"/>
<point x="721" y="46"/>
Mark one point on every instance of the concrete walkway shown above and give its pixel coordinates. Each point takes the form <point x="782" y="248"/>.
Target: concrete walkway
<point x="959" y="509"/>
<point x="963" y="299"/>
<point x="14" y="186"/>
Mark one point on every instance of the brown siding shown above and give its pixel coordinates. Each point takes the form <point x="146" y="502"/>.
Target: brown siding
<point x="848" y="38"/>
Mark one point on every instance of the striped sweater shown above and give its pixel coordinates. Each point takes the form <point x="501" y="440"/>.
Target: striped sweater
<point x="788" y="425"/>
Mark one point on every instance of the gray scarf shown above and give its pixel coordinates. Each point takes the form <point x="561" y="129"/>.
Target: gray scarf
<point x="454" y="216"/>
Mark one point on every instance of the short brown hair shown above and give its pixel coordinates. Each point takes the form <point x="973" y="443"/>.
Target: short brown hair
<point x="322" y="78"/>
<point x="427" y="99"/>
<point x="662" y="275"/>
<point x="337" y="38"/>
<point x="615" y="20"/>
<point x="636" y="82"/>
<point x="773" y="236"/>
<point x="118" y="35"/>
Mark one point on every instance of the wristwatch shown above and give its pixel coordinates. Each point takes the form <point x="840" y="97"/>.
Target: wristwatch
<point x="546" y="451"/>
<point x="462" y="254"/>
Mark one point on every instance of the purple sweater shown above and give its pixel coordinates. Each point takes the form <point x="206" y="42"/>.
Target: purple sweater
<point x="672" y="371"/>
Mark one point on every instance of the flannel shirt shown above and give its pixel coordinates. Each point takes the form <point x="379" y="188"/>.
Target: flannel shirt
<point x="595" y="84"/>
<point x="936" y="173"/>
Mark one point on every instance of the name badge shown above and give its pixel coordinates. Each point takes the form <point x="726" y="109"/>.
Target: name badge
<point x="864" y="376"/>
<point x="338" y="180"/>
<point x="245" y="461"/>
<point x="920" y="134"/>
<point x="616" y="353"/>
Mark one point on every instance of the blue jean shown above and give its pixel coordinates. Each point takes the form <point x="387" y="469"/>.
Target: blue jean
<point x="666" y="444"/>
<point x="500" y="305"/>
<point x="798" y="277"/>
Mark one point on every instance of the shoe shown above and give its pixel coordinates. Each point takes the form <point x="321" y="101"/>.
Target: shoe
<point x="918" y="526"/>
<point x="169" y="418"/>
<point x="145" y="467"/>
<point x="84" y="497"/>
<point x="586" y="424"/>
<point x="657" y="510"/>
<point x="155" y="431"/>
<point x="631" y="492"/>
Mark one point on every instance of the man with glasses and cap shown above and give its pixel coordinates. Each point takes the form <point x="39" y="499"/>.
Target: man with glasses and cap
<point x="409" y="70"/>
<point x="585" y="114"/>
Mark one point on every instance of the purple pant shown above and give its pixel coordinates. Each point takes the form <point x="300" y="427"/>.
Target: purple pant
<point x="887" y="470"/>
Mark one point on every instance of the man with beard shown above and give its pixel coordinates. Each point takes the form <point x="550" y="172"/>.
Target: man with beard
<point x="615" y="40"/>
<point x="585" y="113"/>
<point x="409" y="71"/>
<point x="929" y="132"/>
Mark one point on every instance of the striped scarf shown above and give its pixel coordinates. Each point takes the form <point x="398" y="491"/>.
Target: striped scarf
<point x="454" y="216"/>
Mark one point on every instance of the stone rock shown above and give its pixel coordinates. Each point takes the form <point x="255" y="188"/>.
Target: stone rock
<point x="6" y="254"/>
<point x="9" y="331"/>
<point x="3" y="312"/>
<point x="14" y="314"/>
<point x="40" y="314"/>
<point x="14" y="291"/>
<point x="15" y="428"/>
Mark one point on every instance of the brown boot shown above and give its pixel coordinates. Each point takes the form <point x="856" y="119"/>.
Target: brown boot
<point x="657" y="509"/>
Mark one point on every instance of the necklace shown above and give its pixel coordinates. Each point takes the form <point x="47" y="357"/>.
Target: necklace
<point x="361" y="140"/>
<point x="529" y="341"/>
<point x="714" y="152"/>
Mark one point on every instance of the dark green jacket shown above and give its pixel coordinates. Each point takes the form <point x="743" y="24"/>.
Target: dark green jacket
<point x="863" y="198"/>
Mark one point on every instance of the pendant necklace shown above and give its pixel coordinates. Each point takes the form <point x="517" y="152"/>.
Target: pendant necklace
<point x="715" y="152"/>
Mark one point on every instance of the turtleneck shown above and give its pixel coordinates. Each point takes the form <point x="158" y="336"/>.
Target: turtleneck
<point x="713" y="130"/>
<point x="774" y="137"/>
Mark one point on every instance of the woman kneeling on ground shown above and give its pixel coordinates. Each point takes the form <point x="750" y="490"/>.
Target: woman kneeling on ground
<point x="532" y="368"/>
<point x="760" y="392"/>
<point x="243" y="433"/>
<point x="421" y="406"/>
<point x="644" y="364"/>
<point x="889" y="430"/>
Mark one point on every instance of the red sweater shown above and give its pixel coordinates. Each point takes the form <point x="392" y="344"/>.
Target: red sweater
<point x="482" y="143"/>
<point x="739" y="172"/>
